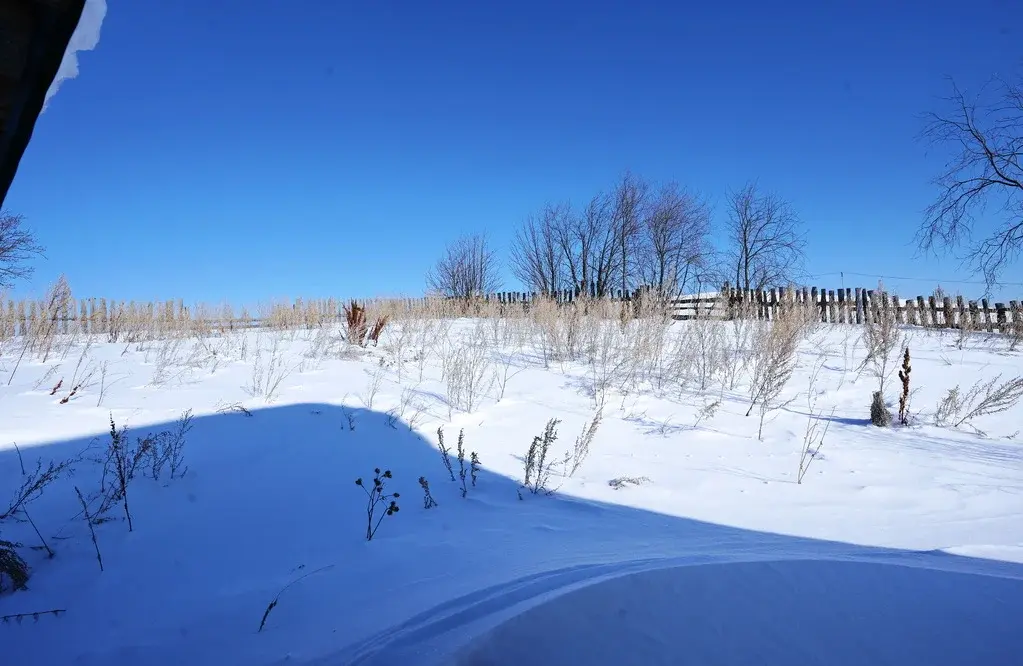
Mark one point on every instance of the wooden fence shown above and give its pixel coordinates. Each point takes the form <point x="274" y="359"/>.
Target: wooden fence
<point x="859" y="305"/>
<point x="841" y="306"/>
<point x="849" y="305"/>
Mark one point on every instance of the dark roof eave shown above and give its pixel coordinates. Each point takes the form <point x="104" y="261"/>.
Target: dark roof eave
<point x="42" y="40"/>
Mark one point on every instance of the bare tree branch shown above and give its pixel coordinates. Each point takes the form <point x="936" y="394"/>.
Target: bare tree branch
<point x="17" y="246"/>
<point x="765" y="240"/>
<point x="537" y="258"/>
<point x="588" y="244"/>
<point x="675" y="240"/>
<point x="630" y="203"/>
<point x="986" y="133"/>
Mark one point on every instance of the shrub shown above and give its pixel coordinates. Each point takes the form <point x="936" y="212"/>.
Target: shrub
<point x="33" y="484"/>
<point x="355" y="323"/>
<point x="428" y="501"/>
<point x="122" y="462"/>
<point x="774" y="360"/>
<point x="166" y="449"/>
<point x="881" y="338"/>
<point x="474" y="467"/>
<point x="879" y="414"/>
<point x="445" y="452"/>
<point x="12" y="567"/>
<point x="377" y="499"/>
<point x="461" y="461"/>
<point x="813" y="441"/>
<point x="538" y="464"/>
<point x="983" y="398"/>
<point x="469" y="376"/>
<point x="581" y="449"/>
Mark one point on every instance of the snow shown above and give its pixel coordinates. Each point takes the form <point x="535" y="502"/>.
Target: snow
<point x="901" y="545"/>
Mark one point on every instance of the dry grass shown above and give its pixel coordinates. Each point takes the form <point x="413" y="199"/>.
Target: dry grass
<point x="49" y="325"/>
<point x="619" y="348"/>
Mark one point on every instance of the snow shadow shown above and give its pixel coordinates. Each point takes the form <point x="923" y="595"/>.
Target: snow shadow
<point x="270" y="500"/>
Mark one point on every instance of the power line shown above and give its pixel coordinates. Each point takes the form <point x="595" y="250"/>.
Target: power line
<point x="934" y="280"/>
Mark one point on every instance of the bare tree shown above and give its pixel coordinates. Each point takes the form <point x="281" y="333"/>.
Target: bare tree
<point x="630" y="201"/>
<point x="537" y="258"/>
<point x="675" y="245"/>
<point x="765" y="241"/>
<point x="986" y="133"/>
<point x="467" y="270"/>
<point x="17" y="246"/>
<point x="588" y="244"/>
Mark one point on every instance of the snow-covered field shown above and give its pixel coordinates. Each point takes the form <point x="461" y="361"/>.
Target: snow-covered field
<point x="902" y="545"/>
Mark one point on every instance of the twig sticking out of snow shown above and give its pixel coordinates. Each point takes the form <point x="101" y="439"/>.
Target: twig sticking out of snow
<point x="35" y="615"/>
<point x="428" y="501"/>
<point x="445" y="452"/>
<point x="235" y="407"/>
<point x="625" y="481"/>
<point x="813" y="440"/>
<point x="92" y="530"/>
<point x="273" y="603"/>
<point x="581" y="449"/>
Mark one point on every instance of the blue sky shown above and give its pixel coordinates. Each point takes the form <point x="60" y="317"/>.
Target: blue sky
<point x="327" y="147"/>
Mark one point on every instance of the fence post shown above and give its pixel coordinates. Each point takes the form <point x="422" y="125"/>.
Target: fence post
<point x="921" y="307"/>
<point x="1017" y="324"/>
<point x="859" y="305"/>
<point x="1000" y="314"/>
